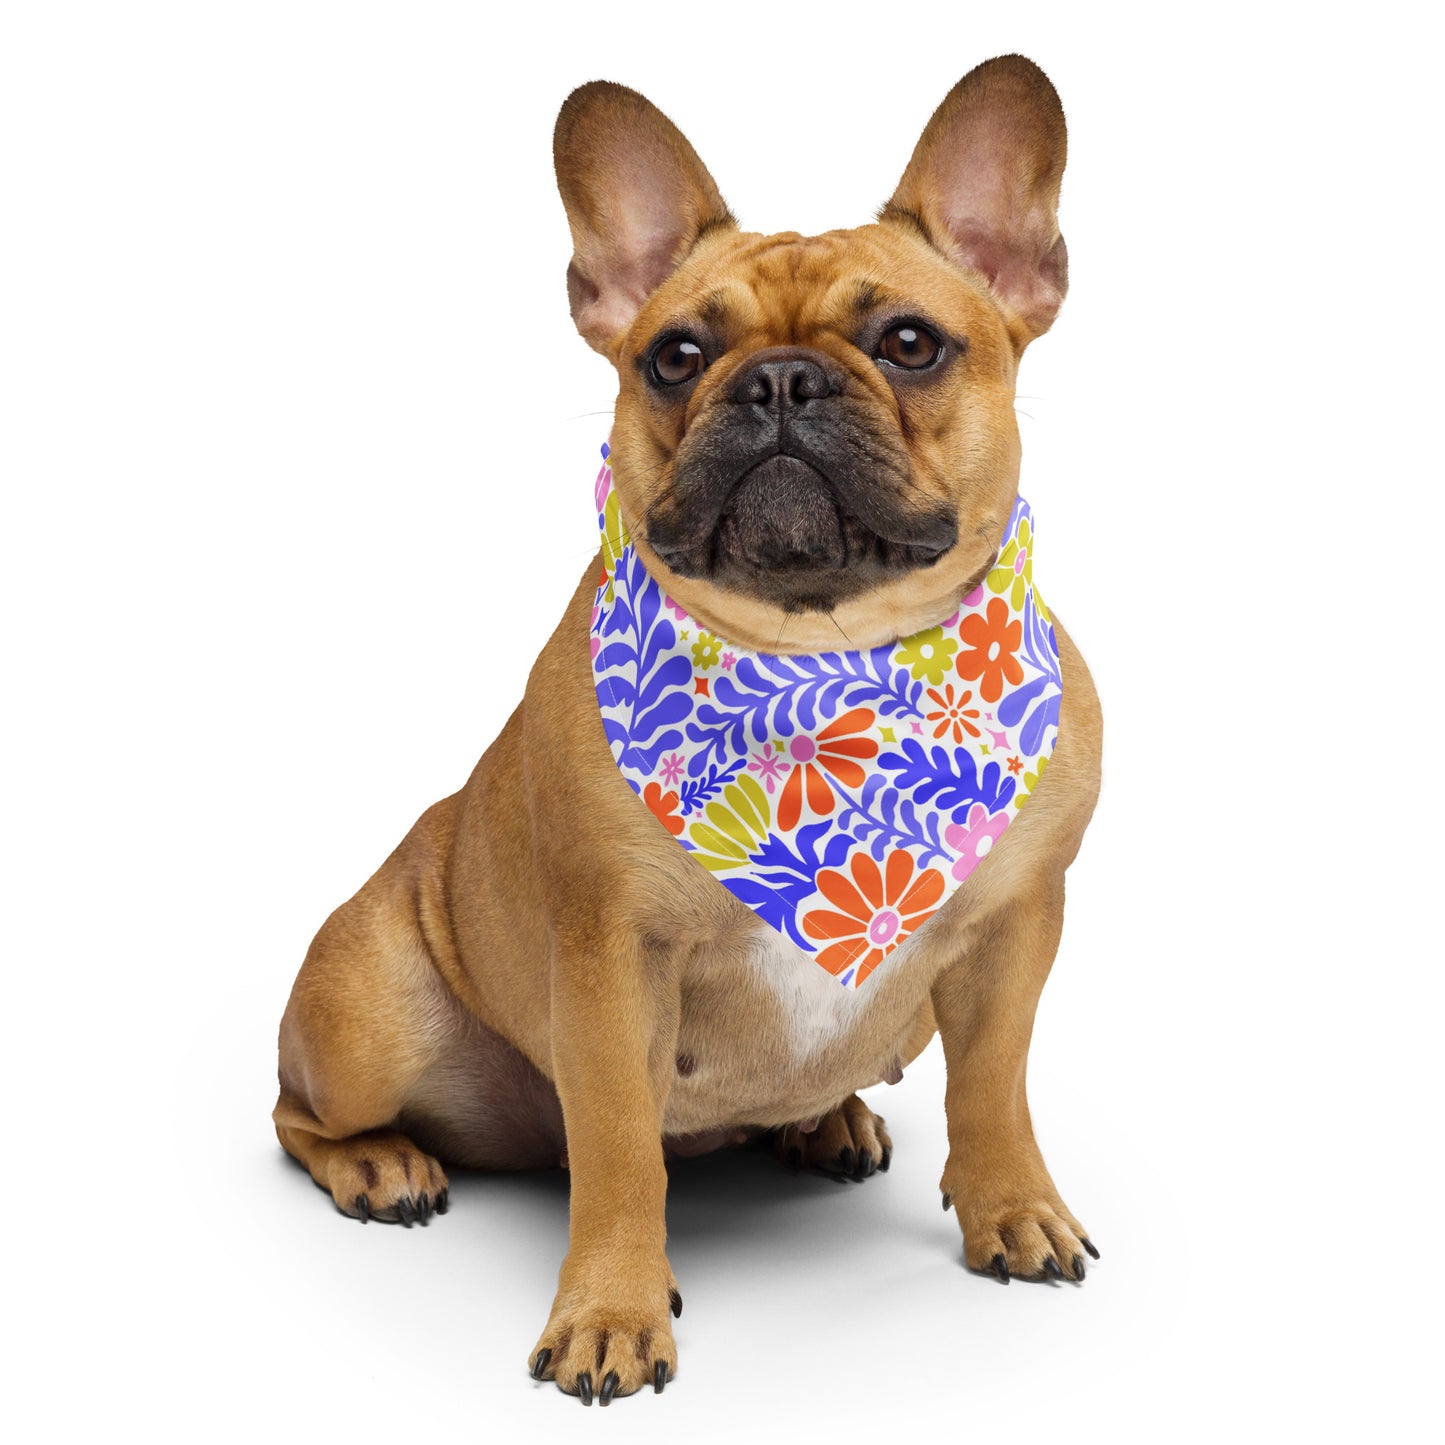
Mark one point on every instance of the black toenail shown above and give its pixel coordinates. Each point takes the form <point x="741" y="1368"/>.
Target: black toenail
<point x="442" y="1202"/>
<point x="539" y="1365"/>
<point x="584" y="1388"/>
<point x="947" y="1202"/>
<point x="1000" y="1267"/>
<point x="845" y="1158"/>
<point x="363" y="1208"/>
<point x="1093" y="1253"/>
<point x="610" y="1382"/>
<point x="659" y="1376"/>
<point x="1051" y="1268"/>
<point x="408" y="1214"/>
<point x="675" y="1300"/>
<point x="424" y="1208"/>
<point x="1079" y="1268"/>
<point x="865" y="1163"/>
<point x="886" y="1160"/>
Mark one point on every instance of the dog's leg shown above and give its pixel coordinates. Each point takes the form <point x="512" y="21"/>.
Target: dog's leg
<point x="1013" y="1220"/>
<point x="366" y="1018"/>
<point x="614" y="1021"/>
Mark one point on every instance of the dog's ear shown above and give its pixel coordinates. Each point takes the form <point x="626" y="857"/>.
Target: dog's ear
<point x="637" y="199"/>
<point x="983" y="186"/>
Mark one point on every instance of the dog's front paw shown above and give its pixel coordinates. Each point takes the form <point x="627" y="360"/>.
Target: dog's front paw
<point x="609" y="1334"/>
<point x="851" y="1142"/>
<point x="1023" y="1231"/>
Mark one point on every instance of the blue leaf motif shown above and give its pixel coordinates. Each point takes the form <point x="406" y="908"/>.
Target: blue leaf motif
<point x="695" y="793"/>
<point x="620" y="692"/>
<point x="784" y="878"/>
<point x="673" y="708"/>
<point x="882" y="814"/>
<point x="1036" y="702"/>
<point x="773" y="696"/>
<point x="615" y="654"/>
<point x="957" y="782"/>
<point x="638" y="671"/>
<point x="645" y="759"/>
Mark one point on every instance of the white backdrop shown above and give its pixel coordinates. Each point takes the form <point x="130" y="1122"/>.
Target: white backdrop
<point x="297" y="453"/>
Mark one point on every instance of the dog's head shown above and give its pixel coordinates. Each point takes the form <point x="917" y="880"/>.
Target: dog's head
<point x="814" y="435"/>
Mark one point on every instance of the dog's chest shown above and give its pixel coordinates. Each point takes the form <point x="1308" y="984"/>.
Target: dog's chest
<point x="768" y="1036"/>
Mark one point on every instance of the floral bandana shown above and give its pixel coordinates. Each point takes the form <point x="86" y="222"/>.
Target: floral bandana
<point x="843" y="796"/>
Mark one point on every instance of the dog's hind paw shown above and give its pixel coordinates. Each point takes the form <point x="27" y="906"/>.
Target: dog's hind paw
<point x="850" y="1142"/>
<point x="384" y="1176"/>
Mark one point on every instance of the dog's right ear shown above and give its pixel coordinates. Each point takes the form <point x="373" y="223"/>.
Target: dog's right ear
<point x="637" y="199"/>
<point x="983" y="187"/>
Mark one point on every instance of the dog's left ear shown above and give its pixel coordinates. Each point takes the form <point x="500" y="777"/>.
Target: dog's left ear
<point x="637" y="199"/>
<point x="983" y="185"/>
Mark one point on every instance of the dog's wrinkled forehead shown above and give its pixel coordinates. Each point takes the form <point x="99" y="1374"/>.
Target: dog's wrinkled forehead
<point x="839" y="293"/>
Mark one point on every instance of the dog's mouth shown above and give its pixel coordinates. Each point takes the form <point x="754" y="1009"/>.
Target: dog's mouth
<point x="784" y="532"/>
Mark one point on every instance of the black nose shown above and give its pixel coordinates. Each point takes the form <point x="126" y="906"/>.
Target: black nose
<point x="784" y="381"/>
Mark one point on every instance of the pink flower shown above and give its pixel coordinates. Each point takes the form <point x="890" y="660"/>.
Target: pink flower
<point x="603" y="485"/>
<point x="678" y="612"/>
<point x="771" y="765"/>
<point x="672" y="769"/>
<point x="972" y="842"/>
<point x="728" y="659"/>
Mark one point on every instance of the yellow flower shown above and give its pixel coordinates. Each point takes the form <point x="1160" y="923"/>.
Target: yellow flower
<point x="705" y="651"/>
<point x="1014" y="571"/>
<point x="926" y="654"/>
<point x="614" y="539"/>
<point x="1031" y="780"/>
<point x="735" y="827"/>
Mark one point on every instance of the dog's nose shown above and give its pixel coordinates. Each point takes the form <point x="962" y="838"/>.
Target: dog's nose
<point x="783" y="380"/>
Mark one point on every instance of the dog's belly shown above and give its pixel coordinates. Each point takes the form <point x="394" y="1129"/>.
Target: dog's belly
<point x="767" y="1037"/>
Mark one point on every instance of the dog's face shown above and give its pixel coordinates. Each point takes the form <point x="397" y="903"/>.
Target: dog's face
<point x="814" y="443"/>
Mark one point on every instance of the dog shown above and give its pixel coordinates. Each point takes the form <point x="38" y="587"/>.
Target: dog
<point x="814" y="455"/>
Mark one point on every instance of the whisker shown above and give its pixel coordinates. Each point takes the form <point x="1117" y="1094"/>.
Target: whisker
<point x="781" y="626"/>
<point x="839" y="626"/>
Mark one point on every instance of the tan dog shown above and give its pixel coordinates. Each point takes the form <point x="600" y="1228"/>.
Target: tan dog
<point x="539" y="974"/>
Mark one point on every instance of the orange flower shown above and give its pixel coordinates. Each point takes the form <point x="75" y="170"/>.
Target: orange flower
<point x="833" y="751"/>
<point x="953" y="715"/>
<point x="989" y="644"/>
<point x="879" y="910"/>
<point x="661" y="805"/>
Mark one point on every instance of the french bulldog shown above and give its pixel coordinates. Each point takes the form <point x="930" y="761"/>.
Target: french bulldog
<point x="814" y="446"/>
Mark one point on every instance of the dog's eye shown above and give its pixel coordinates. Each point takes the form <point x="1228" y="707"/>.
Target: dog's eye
<point x="909" y="346"/>
<point x="677" y="360"/>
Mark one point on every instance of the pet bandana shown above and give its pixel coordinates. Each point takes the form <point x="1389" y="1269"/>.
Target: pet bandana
<point x="843" y="796"/>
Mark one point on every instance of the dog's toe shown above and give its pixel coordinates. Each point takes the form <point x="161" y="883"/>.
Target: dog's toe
<point x="850" y="1142"/>
<point x="385" y="1177"/>
<point x="609" y="1337"/>
<point x="1035" y="1241"/>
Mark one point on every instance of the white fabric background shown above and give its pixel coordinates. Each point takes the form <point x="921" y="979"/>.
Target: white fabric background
<point x="297" y="446"/>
